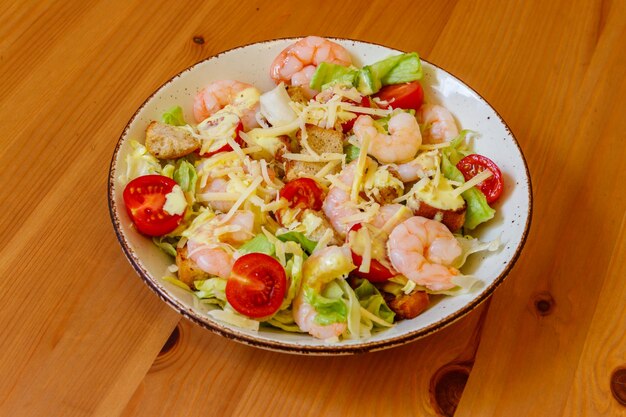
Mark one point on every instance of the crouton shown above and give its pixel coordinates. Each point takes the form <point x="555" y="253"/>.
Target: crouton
<point x="169" y="142"/>
<point x="321" y="141"/>
<point x="452" y="219"/>
<point x="188" y="270"/>
<point x="407" y="306"/>
<point x="386" y="195"/>
<point x="297" y="94"/>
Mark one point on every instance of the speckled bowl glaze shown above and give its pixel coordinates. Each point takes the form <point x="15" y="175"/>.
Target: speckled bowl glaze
<point x="250" y="64"/>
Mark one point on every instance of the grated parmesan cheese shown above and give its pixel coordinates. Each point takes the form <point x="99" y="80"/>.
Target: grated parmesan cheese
<point x="472" y="182"/>
<point x="248" y="191"/>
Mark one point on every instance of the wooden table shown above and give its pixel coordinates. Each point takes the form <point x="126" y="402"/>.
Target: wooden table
<point x="82" y="335"/>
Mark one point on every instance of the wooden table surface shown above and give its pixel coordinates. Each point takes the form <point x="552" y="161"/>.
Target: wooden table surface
<point x="82" y="335"/>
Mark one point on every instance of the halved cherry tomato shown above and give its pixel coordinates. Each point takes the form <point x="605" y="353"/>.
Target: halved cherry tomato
<point x="144" y="198"/>
<point x="365" y="102"/>
<point x="377" y="273"/>
<point x="256" y="285"/>
<point x="472" y="165"/>
<point x="226" y="147"/>
<point x="403" y="96"/>
<point x="302" y="193"/>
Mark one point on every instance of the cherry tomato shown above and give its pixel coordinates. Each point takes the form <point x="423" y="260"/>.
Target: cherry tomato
<point x="365" y="102"/>
<point x="144" y="198"/>
<point x="226" y="147"/>
<point x="256" y="285"/>
<point x="303" y="193"/>
<point x="377" y="273"/>
<point x="403" y="96"/>
<point x="472" y="165"/>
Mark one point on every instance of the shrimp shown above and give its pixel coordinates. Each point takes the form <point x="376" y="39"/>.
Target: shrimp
<point x="400" y="145"/>
<point x="319" y="269"/>
<point x="243" y="97"/>
<point x="296" y="64"/>
<point x="419" y="167"/>
<point x="392" y="213"/>
<point x="204" y="247"/>
<point x="217" y="185"/>
<point x="423" y="250"/>
<point x="437" y="122"/>
<point x="304" y="315"/>
<point x="337" y="204"/>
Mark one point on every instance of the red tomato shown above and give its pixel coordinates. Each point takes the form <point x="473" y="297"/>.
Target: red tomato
<point x="365" y="102"/>
<point x="472" y="165"/>
<point x="226" y="147"/>
<point x="377" y="273"/>
<point x="403" y="96"/>
<point x="256" y="285"/>
<point x="144" y="198"/>
<point x="303" y="193"/>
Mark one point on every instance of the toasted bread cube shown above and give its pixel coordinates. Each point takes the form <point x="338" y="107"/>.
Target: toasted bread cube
<point x="169" y="142"/>
<point x="188" y="270"/>
<point x="321" y="141"/>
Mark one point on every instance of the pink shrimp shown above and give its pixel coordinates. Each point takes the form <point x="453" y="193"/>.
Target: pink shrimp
<point x="221" y="93"/>
<point x="437" y="123"/>
<point x="394" y="213"/>
<point x="304" y="315"/>
<point x="205" y="250"/>
<point x="400" y="145"/>
<point x="337" y="204"/>
<point x="423" y="250"/>
<point x="296" y="64"/>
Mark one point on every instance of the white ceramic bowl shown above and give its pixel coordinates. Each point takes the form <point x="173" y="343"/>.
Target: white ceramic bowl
<point x="250" y="64"/>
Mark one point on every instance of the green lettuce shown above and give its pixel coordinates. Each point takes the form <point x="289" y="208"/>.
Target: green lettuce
<point x="352" y="153"/>
<point x="284" y="320"/>
<point x="260" y="244"/>
<point x="213" y="289"/>
<point x="329" y="310"/>
<point x="478" y="210"/>
<point x="139" y="162"/>
<point x="371" y="300"/>
<point x="327" y="74"/>
<point x="174" y="117"/>
<point x="166" y="243"/>
<point x="186" y="176"/>
<point x="368" y="80"/>
<point x="307" y="244"/>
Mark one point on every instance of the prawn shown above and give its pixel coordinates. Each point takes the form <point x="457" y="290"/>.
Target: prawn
<point x="419" y="167"/>
<point x="400" y="145"/>
<point x="206" y="247"/>
<point x="296" y="64"/>
<point x="437" y="122"/>
<point x="243" y="97"/>
<point x="326" y="265"/>
<point x="304" y="315"/>
<point x="337" y="204"/>
<point x="423" y="250"/>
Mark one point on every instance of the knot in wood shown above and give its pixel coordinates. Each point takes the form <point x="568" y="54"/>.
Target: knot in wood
<point x="446" y="387"/>
<point x="544" y="303"/>
<point x="171" y="341"/>
<point x="618" y="385"/>
<point x="198" y="39"/>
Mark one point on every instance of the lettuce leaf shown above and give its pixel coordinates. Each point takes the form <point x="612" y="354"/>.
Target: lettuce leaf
<point x="211" y="288"/>
<point x="166" y="243"/>
<point x="398" y="69"/>
<point x="370" y="299"/>
<point x="329" y="310"/>
<point x="139" y="162"/>
<point x="354" y="309"/>
<point x="260" y="244"/>
<point x="327" y="74"/>
<point x="478" y="210"/>
<point x="186" y="176"/>
<point x="307" y="244"/>
<point x="352" y="153"/>
<point x="174" y="117"/>
<point x="471" y="245"/>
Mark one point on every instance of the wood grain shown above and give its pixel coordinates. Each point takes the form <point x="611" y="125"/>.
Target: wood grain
<point x="81" y="333"/>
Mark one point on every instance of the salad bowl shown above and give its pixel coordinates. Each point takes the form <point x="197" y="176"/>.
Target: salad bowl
<point x="250" y="64"/>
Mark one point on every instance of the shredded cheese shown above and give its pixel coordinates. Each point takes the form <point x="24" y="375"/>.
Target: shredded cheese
<point x="472" y="182"/>
<point x="367" y="250"/>
<point x="365" y="110"/>
<point x="325" y="157"/>
<point x="248" y="191"/>
<point x="327" y="168"/>
<point x="276" y="131"/>
<point x="216" y="196"/>
<point x="360" y="168"/>
<point x="430" y="147"/>
<point x="324" y="240"/>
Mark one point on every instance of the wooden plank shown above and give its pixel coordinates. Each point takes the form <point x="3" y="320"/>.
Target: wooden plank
<point x="574" y="148"/>
<point x="604" y="353"/>
<point x="206" y="374"/>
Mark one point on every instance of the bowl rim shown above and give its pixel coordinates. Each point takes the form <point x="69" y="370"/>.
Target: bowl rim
<point x="288" y="347"/>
